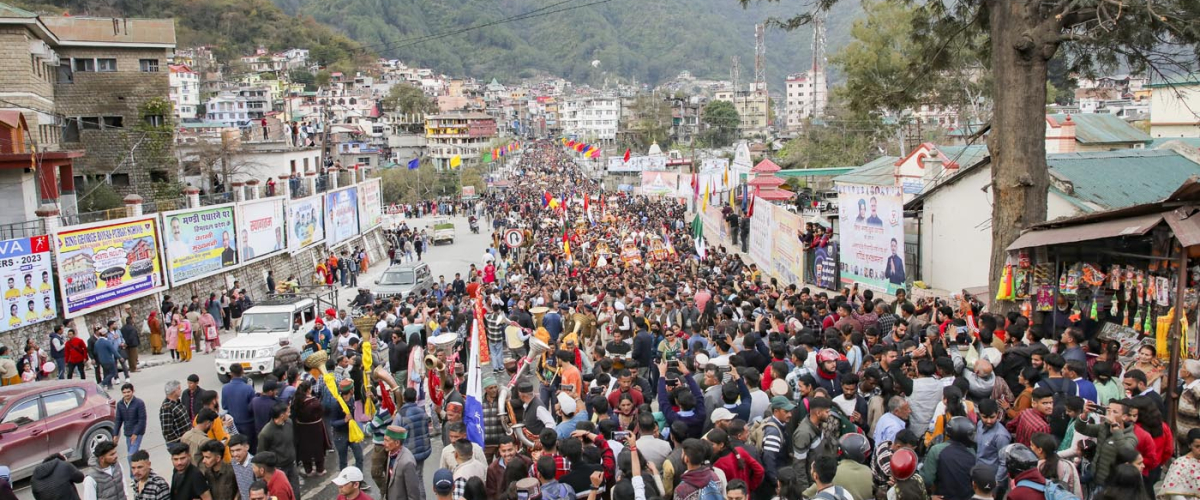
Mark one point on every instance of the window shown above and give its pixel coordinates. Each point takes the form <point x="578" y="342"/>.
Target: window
<point x="159" y="175"/>
<point x="155" y="120"/>
<point x="60" y="402"/>
<point x="365" y="160"/>
<point x="148" y="65"/>
<point x="119" y="180"/>
<point x="89" y="123"/>
<point x="106" y="65"/>
<point x="114" y="121"/>
<point x="65" y="75"/>
<point x="25" y="412"/>
<point x="85" y="64"/>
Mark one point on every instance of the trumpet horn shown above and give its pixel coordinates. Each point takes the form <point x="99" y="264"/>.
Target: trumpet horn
<point x="538" y="313"/>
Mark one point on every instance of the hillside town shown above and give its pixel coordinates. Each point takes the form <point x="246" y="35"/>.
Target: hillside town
<point x="232" y="277"/>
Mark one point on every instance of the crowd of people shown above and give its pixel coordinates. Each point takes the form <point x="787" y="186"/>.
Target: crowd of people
<point x="624" y="364"/>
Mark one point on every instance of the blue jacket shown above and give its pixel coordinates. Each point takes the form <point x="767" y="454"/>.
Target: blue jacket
<point x="694" y="418"/>
<point x="643" y="350"/>
<point x="413" y="419"/>
<point x="106" y="351"/>
<point x="260" y="407"/>
<point x="132" y="416"/>
<point x="553" y="323"/>
<point x="235" y="399"/>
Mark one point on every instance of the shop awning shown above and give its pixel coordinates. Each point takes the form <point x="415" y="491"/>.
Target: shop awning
<point x="1185" y="223"/>
<point x="1127" y="226"/>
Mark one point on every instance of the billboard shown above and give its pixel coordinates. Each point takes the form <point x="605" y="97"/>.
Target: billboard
<point x="872" y="236"/>
<point x="260" y="228"/>
<point x="305" y="222"/>
<point x="468" y="192"/>
<point x="28" y="291"/>
<point x="637" y="163"/>
<point x="341" y="215"/>
<point x="762" y="228"/>
<point x="370" y="204"/>
<point x="198" y="242"/>
<point x="787" y="262"/>
<point x="107" y="263"/>
<point x="660" y="183"/>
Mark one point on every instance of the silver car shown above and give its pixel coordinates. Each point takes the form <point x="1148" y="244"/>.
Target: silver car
<point x="400" y="280"/>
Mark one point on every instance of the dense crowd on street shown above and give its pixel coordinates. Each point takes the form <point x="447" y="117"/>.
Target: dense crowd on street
<point x="627" y="358"/>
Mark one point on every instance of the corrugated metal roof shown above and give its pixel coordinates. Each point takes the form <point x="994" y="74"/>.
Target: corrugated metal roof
<point x="1163" y="141"/>
<point x="1114" y="179"/>
<point x="878" y="172"/>
<point x="964" y="156"/>
<point x="9" y="11"/>
<point x="1102" y="128"/>
<point x="1132" y="226"/>
<point x="814" y="172"/>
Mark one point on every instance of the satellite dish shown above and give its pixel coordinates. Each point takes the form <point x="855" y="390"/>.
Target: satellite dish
<point x="596" y="63"/>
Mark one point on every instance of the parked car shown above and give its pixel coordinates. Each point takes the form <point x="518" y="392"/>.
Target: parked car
<point x="54" y="416"/>
<point x="442" y="230"/>
<point x="283" y="316"/>
<point x="402" y="280"/>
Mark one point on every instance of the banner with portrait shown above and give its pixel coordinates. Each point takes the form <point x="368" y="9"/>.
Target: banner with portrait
<point x="872" y="236"/>
<point x="341" y="215"/>
<point x="370" y="203"/>
<point x="107" y="263"/>
<point x="260" y="228"/>
<point x="305" y="222"/>
<point x="199" y="242"/>
<point x="28" y="289"/>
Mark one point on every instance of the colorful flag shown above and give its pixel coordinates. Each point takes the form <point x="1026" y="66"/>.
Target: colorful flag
<point x="587" y="210"/>
<point x="487" y="157"/>
<point x="698" y="235"/>
<point x="414" y="163"/>
<point x="732" y="198"/>
<point x="456" y="161"/>
<point x="750" y="211"/>
<point x="707" y="188"/>
<point x="566" y="243"/>
<point x="473" y="407"/>
<point x="627" y="152"/>
<point x="726" y="176"/>
<point x="595" y="153"/>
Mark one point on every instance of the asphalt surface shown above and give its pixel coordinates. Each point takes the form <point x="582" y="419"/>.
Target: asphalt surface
<point x="444" y="259"/>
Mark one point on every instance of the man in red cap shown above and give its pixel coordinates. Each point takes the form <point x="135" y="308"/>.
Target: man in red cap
<point x="331" y="321"/>
<point x="321" y="335"/>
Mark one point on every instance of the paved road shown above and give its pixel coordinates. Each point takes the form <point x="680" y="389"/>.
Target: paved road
<point x="443" y="260"/>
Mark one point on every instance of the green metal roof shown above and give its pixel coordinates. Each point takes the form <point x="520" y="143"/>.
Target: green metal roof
<point x="1103" y="128"/>
<point x="814" y="172"/>
<point x="1187" y="80"/>
<point x="1162" y="141"/>
<point x="878" y="172"/>
<point x="7" y="10"/>
<point x="965" y="156"/>
<point x="1117" y="179"/>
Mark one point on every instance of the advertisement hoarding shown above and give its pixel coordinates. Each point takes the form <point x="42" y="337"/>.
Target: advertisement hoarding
<point x="341" y="215"/>
<point x="872" y="236"/>
<point x="637" y="164"/>
<point x="787" y="262"/>
<point x="260" y="228"/>
<point x="305" y="222"/>
<point x="659" y="183"/>
<point x="198" y="243"/>
<point x="107" y="263"/>
<point x="28" y="289"/>
<point x="370" y="204"/>
<point x="762" y="230"/>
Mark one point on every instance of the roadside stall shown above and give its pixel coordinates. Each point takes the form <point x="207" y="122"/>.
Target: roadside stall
<point x="1127" y="275"/>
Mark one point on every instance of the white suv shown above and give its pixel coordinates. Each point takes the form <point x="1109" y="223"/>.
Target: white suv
<point x="262" y="327"/>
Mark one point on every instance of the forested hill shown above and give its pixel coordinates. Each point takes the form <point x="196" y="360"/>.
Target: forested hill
<point x="652" y="40"/>
<point x="232" y="27"/>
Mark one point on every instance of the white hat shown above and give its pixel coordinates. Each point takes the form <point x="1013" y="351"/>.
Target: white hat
<point x="348" y="475"/>
<point x="567" y="403"/>
<point x="721" y="414"/>
<point x="620" y="306"/>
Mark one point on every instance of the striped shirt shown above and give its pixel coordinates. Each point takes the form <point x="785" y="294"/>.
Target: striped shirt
<point x="156" y="488"/>
<point x="378" y="425"/>
<point x="496" y="323"/>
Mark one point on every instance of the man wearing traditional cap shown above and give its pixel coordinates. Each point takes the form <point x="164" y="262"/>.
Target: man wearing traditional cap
<point x="340" y="422"/>
<point x="536" y="416"/>
<point x="402" y="480"/>
<point x="493" y="428"/>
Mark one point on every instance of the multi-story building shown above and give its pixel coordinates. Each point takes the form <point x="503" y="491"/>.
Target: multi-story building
<point x="807" y="96"/>
<point x="751" y="108"/>
<point x="238" y="108"/>
<point x="464" y="134"/>
<point x="590" y="118"/>
<point x="185" y="92"/>
<point x="1175" y="108"/>
<point x="112" y="92"/>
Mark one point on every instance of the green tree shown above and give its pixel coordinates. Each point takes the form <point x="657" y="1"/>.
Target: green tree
<point x="721" y="122"/>
<point x="303" y="76"/>
<point x="650" y="123"/>
<point x="1019" y="38"/>
<point x="410" y="100"/>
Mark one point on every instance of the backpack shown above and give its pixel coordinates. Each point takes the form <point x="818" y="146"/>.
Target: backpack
<point x="1052" y="490"/>
<point x="758" y="432"/>
<point x="710" y="491"/>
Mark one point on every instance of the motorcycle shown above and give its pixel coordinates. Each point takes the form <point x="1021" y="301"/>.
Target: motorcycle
<point x="474" y="226"/>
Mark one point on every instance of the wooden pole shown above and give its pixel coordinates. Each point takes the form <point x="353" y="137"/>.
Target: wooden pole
<point x="1174" y="335"/>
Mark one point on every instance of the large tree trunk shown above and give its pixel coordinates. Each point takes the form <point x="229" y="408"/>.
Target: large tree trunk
<point x="1021" y="50"/>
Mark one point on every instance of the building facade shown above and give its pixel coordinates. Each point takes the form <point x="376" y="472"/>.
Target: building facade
<point x="1175" y="108"/>
<point x="464" y="134"/>
<point x="185" y="92"/>
<point x="807" y="96"/>
<point x="591" y="118"/>
<point x="751" y="108"/>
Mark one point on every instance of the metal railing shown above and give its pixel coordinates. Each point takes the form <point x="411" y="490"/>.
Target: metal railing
<point x="90" y="217"/>
<point x="155" y="206"/>
<point x="217" y="198"/>
<point x="26" y="229"/>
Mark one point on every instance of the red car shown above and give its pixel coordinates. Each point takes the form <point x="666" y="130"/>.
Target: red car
<point x="53" y="416"/>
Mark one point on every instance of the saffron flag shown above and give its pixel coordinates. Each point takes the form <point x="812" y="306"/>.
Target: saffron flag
<point x="473" y="407"/>
<point x="566" y="243"/>
<point x="456" y="161"/>
<point x="732" y="198"/>
<point x="627" y="152"/>
<point x="414" y="163"/>
<point x="727" y="177"/>
<point x="707" y="188"/>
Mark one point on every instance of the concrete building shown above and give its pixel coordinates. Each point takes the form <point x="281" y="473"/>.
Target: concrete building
<point x="807" y="95"/>
<point x="751" y="108"/>
<point x="464" y="134"/>
<point x="1091" y="132"/>
<point x="590" y="118"/>
<point x="1175" y="108"/>
<point x="185" y="92"/>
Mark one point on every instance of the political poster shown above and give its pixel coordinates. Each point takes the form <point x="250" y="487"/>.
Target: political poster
<point x="825" y="268"/>
<point x="872" y="236"/>
<point x="370" y="203"/>
<point x="25" y="268"/>
<point x="305" y="222"/>
<point x="762" y="228"/>
<point x="787" y="261"/>
<point x="199" y="243"/>
<point x="260" y="228"/>
<point x="107" y="263"/>
<point x="659" y="183"/>
<point x="341" y="215"/>
<point x="716" y="230"/>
